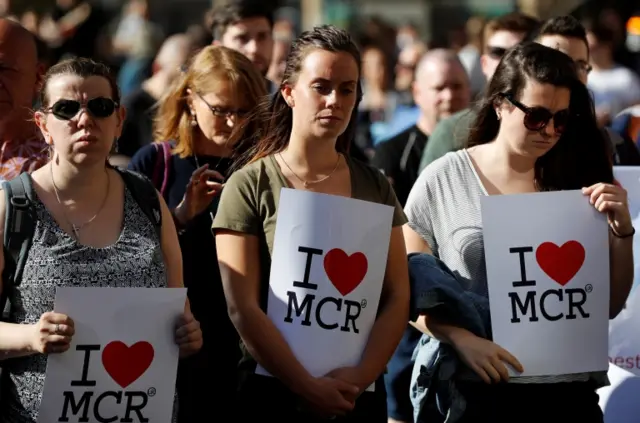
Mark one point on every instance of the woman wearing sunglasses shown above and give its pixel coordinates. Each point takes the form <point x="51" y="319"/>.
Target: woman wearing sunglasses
<point x="188" y="164"/>
<point x="536" y="131"/>
<point x="89" y="231"/>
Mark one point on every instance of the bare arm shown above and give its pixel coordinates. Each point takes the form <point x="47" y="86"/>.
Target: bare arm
<point x="621" y="259"/>
<point x="15" y="339"/>
<point x="414" y="243"/>
<point x="238" y="257"/>
<point x="393" y="313"/>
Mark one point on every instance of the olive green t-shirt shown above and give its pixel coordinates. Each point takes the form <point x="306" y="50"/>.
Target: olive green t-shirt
<point x="249" y="204"/>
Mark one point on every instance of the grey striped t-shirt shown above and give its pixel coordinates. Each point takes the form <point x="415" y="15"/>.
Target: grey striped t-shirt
<point x="444" y="209"/>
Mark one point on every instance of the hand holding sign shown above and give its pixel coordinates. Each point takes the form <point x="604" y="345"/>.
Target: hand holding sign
<point x="188" y="335"/>
<point x="353" y="376"/>
<point x="52" y="333"/>
<point x="330" y="397"/>
<point x="611" y="199"/>
<point x="487" y="359"/>
<point x="548" y="280"/>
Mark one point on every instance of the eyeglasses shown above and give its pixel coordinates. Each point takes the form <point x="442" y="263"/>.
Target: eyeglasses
<point x="537" y="118"/>
<point x="496" y="52"/>
<point x="99" y="107"/>
<point x="225" y="112"/>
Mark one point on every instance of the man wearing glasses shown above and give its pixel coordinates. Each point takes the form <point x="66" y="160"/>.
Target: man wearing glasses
<point x="566" y="34"/>
<point x="499" y="35"/>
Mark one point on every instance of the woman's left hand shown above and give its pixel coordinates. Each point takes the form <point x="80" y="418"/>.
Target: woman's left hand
<point x="188" y="335"/>
<point x="612" y="200"/>
<point x="350" y="375"/>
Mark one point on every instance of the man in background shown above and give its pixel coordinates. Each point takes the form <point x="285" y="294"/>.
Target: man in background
<point x="23" y="147"/>
<point x="137" y="130"/>
<point x="500" y="35"/>
<point x="247" y="27"/>
<point x="441" y="88"/>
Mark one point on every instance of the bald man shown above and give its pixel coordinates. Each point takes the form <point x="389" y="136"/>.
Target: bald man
<point x="441" y="88"/>
<point x="140" y="105"/>
<point x="23" y="148"/>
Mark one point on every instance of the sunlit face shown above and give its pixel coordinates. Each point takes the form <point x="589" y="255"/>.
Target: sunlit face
<point x="441" y="89"/>
<point x="83" y="139"/>
<point x="497" y="45"/>
<point x="573" y="47"/>
<point x="218" y="112"/>
<point x="252" y="37"/>
<point x="324" y="94"/>
<point x="521" y="140"/>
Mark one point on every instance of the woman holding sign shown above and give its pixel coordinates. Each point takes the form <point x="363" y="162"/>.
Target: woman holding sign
<point x="536" y="131"/>
<point x="310" y="124"/>
<point x="91" y="229"/>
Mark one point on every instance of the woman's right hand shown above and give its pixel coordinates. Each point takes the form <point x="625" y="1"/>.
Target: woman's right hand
<point x="200" y="192"/>
<point x="485" y="357"/>
<point x="52" y="333"/>
<point x="327" y="396"/>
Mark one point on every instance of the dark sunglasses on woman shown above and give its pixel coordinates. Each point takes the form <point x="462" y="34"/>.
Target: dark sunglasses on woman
<point x="99" y="107"/>
<point x="537" y="118"/>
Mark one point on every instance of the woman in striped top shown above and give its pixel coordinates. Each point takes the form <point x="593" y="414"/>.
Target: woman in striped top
<point x="535" y="131"/>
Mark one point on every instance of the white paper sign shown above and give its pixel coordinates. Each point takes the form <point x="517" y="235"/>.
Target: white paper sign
<point x="328" y="264"/>
<point x="547" y="257"/>
<point x="123" y="358"/>
<point x="624" y="337"/>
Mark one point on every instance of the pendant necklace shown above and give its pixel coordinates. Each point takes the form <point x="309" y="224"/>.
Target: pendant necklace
<point x="305" y="183"/>
<point x="77" y="228"/>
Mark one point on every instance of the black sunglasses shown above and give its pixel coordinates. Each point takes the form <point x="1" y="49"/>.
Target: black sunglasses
<point x="99" y="107"/>
<point x="537" y="118"/>
<point x="496" y="52"/>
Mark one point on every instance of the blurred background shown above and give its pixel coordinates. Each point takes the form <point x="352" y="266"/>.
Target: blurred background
<point x="393" y="34"/>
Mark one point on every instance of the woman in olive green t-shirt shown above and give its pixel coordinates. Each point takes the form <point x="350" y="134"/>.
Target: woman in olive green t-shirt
<point x="310" y="124"/>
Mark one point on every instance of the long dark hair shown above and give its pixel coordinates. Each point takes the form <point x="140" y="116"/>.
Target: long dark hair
<point x="582" y="155"/>
<point x="275" y="115"/>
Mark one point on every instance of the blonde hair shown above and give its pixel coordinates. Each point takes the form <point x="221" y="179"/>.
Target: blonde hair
<point x="211" y="67"/>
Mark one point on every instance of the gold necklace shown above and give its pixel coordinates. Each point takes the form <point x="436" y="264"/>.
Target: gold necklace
<point x="77" y="228"/>
<point x="317" y="181"/>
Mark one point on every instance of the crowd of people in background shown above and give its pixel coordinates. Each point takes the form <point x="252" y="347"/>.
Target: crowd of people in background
<point x="187" y="111"/>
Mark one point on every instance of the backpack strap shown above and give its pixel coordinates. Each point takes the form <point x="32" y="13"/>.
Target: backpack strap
<point x="146" y="195"/>
<point x="20" y="222"/>
<point x="160" y="177"/>
<point x="157" y="176"/>
<point x="166" y="152"/>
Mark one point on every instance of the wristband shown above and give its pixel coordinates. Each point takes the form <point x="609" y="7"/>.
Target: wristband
<point x="630" y="234"/>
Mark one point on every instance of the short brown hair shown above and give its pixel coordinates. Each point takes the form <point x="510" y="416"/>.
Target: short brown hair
<point x="233" y="11"/>
<point x="513" y="22"/>
<point x="210" y="67"/>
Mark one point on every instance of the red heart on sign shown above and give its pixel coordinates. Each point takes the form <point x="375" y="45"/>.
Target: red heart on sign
<point x="345" y="272"/>
<point x="560" y="263"/>
<point x="126" y="364"/>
